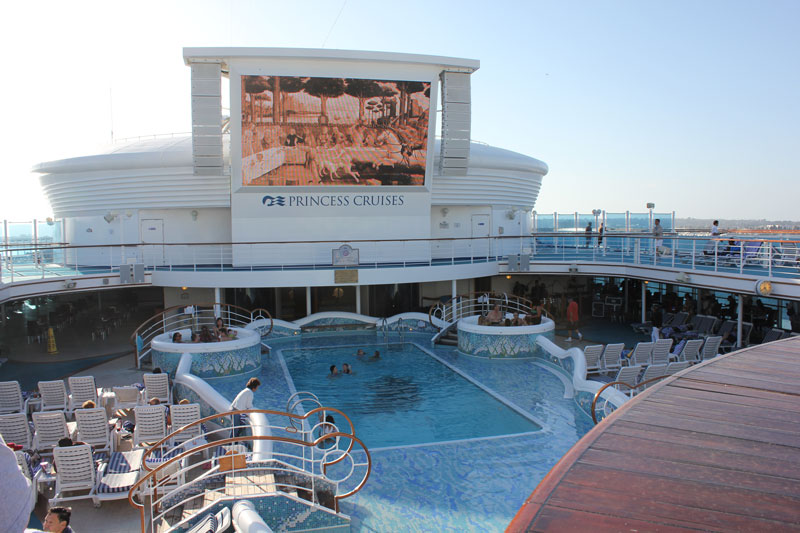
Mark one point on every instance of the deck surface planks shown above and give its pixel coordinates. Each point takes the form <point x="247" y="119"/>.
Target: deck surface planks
<point x="714" y="448"/>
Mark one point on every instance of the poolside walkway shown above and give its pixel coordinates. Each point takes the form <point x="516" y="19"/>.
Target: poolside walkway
<point x="714" y="448"/>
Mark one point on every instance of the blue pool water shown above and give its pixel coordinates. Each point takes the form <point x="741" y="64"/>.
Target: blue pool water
<point x="474" y="484"/>
<point x="404" y="397"/>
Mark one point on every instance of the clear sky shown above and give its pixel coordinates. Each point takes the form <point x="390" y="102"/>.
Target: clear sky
<point x="693" y="105"/>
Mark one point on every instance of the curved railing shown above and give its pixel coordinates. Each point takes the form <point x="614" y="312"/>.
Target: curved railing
<point x="188" y="480"/>
<point x="631" y="387"/>
<point x="477" y="303"/>
<point x="202" y="314"/>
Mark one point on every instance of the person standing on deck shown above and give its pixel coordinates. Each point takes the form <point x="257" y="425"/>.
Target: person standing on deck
<point x="572" y="319"/>
<point x="588" y="234"/>
<point x="243" y="402"/>
<point x="658" y="233"/>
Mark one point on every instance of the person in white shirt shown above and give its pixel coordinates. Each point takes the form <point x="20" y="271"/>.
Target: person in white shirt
<point x="715" y="228"/>
<point x="243" y="402"/>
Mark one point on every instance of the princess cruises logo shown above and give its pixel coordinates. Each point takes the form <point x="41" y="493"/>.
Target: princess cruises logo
<point x="269" y="201"/>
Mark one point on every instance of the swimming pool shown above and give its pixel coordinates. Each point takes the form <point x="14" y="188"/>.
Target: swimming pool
<point x="476" y="483"/>
<point x="404" y="397"/>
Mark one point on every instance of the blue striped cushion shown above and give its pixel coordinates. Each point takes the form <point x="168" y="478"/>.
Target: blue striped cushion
<point x="124" y="462"/>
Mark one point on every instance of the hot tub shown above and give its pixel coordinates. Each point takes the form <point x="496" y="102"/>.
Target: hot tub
<point x="209" y="359"/>
<point x="500" y="341"/>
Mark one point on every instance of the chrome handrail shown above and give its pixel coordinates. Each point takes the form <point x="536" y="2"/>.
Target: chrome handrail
<point x="632" y="387"/>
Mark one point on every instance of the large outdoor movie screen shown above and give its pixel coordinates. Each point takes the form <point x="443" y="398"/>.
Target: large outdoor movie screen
<point x="299" y="131"/>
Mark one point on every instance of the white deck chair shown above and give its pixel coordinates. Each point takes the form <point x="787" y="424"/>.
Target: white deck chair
<point x="126" y="397"/>
<point x="641" y="353"/>
<point x="611" y="360"/>
<point x="629" y="375"/>
<point x="183" y="415"/>
<point x="773" y="334"/>
<point x="711" y="347"/>
<point x="674" y="368"/>
<point x="151" y="424"/>
<point x="115" y="478"/>
<point x="50" y="428"/>
<point x="691" y="351"/>
<point x="14" y="428"/>
<point x="661" y="348"/>
<point x="592" y="355"/>
<point x="54" y="395"/>
<point x="93" y="428"/>
<point x="81" y="389"/>
<point x="157" y="386"/>
<point x="652" y="372"/>
<point x="11" y="398"/>
<point x="213" y="523"/>
<point x="75" y="471"/>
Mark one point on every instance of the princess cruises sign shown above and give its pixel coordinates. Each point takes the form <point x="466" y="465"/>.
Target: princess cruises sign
<point x="334" y="200"/>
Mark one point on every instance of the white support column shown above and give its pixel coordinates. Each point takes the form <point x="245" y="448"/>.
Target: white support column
<point x="358" y="299"/>
<point x="308" y="301"/>
<point x="644" y="299"/>
<point x="453" y="288"/>
<point x="217" y="301"/>
<point x="739" y="315"/>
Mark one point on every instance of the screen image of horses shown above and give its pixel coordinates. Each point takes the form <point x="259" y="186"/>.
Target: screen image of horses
<point x="300" y="131"/>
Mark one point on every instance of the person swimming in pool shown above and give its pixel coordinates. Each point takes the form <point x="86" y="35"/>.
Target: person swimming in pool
<point x="375" y="356"/>
<point x="334" y="372"/>
<point x="360" y="353"/>
<point x="346" y="368"/>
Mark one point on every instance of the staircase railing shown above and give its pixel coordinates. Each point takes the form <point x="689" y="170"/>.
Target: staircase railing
<point x="303" y="467"/>
<point x="478" y="303"/>
<point x="193" y="316"/>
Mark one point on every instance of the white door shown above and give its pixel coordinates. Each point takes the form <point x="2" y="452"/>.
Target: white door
<point x="152" y="236"/>
<point x="480" y="234"/>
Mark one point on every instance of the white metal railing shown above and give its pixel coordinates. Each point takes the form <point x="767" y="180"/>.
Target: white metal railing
<point x="766" y="256"/>
<point x="315" y="463"/>
<point x="195" y="317"/>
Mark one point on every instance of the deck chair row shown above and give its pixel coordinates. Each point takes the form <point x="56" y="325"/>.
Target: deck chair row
<point x="602" y="359"/>
<point x="54" y="395"/>
<point x="639" y="377"/>
<point x="94" y="428"/>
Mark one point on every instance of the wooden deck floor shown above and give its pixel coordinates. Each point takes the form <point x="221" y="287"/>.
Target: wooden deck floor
<point x="714" y="448"/>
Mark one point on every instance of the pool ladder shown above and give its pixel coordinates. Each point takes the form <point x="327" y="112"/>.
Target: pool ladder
<point x="384" y="327"/>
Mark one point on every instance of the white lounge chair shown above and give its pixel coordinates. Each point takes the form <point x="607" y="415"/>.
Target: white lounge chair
<point x="592" y="355"/>
<point x="711" y="347"/>
<point x="93" y="428"/>
<point x="641" y="354"/>
<point x="629" y="375"/>
<point x="611" y="356"/>
<point x="11" y="398"/>
<point x="773" y="334"/>
<point x="54" y="395"/>
<point x="661" y="348"/>
<point x="151" y="424"/>
<point x="652" y="372"/>
<point x="183" y="415"/>
<point x="14" y="428"/>
<point x="213" y="523"/>
<point x="691" y="351"/>
<point x="75" y="471"/>
<point x="674" y="368"/>
<point x="81" y="389"/>
<point x="126" y="397"/>
<point x="50" y="428"/>
<point x="157" y="386"/>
